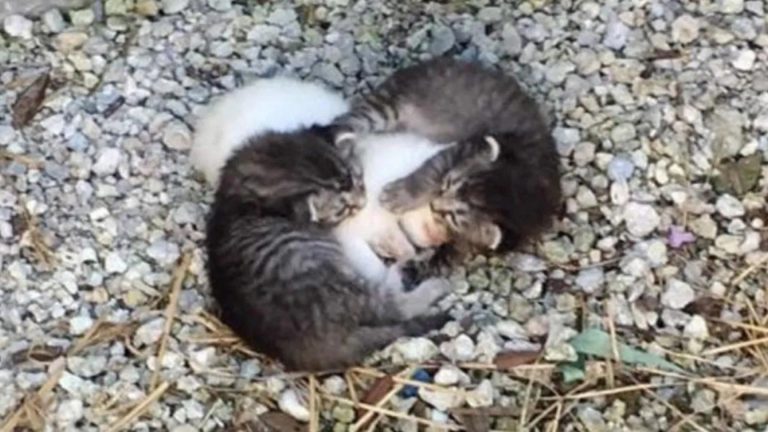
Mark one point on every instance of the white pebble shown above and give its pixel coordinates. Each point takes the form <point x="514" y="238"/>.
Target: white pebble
<point x="69" y="412"/>
<point x="589" y="280"/>
<point x="482" y="396"/>
<point x="511" y="330"/>
<point x="150" y="332"/>
<point x="114" y="263"/>
<point x="744" y="60"/>
<point x="417" y="350"/>
<point x="696" y="328"/>
<point x="685" y="29"/>
<point x="677" y="295"/>
<point x="447" y="375"/>
<point x="641" y="219"/>
<point x="729" y="206"/>
<point x="80" y="324"/>
<point x="107" y="162"/>
<point x="462" y="348"/>
<point x="289" y="403"/>
<point x="18" y="26"/>
<point x="731" y="6"/>
<point x="174" y="6"/>
<point x="442" y="400"/>
<point x="176" y="136"/>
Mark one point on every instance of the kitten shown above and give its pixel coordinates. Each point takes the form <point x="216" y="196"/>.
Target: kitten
<point x="499" y="183"/>
<point x="296" y="291"/>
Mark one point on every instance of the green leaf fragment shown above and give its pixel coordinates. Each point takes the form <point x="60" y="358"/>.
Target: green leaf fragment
<point x="598" y="343"/>
<point x="574" y="371"/>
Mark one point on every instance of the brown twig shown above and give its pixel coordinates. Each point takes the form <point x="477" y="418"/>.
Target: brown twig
<point x="170" y="315"/>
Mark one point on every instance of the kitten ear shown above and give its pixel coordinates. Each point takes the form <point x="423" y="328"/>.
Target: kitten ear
<point x="494" y="145"/>
<point x="345" y="137"/>
<point x="492" y="233"/>
<point x="312" y="209"/>
<point x="346" y="142"/>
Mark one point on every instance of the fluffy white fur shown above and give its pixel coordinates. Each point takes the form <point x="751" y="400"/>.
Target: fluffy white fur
<point x="283" y="105"/>
<point x="279" y="104"/>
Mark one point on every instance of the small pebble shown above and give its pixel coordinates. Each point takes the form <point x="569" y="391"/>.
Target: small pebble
<point x="677" y="295"/>
<point x="17" y="26"/>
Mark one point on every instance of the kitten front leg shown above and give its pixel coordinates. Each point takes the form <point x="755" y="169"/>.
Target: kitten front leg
<point x="375" y="112"/>
<point x="426" y="183"/>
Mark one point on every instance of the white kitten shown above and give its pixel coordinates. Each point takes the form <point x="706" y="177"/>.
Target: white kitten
<point x="279" y="104"/>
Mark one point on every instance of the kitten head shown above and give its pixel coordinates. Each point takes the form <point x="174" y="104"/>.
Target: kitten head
<point x="300" y="175"/>
<point x="459" y="212"/>
<point x="344" y="194"/>
<point x="505" y="202"/>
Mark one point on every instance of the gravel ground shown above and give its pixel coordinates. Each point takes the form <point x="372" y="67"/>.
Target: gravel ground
<point x="662" y="114"/>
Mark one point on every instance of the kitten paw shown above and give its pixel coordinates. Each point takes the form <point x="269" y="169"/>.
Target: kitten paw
<point x="421" y="325"/>
<point x="396" y="198"/>
<point x="433" y="289"/>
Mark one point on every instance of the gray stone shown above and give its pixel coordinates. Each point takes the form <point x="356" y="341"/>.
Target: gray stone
<point x="512" y="42"/>
<point x="732" y="7"/>
<point x="82" y="18"/>
<point x="442" y="40"/>
<point x="592" y="420"/>
<point x="54" y="21"/>
<point x="176" y="136"/>
<point x="623" y="132"/>
<point x="590" y="280"/>
<point x="685" y="29"/>
<point x="616" y="35"/>
<point x="107" y="162"/>
<point x="490" y="14"/>
<point x="621" y="167"/>
<point x="557" y="72"/>
<point x="114" y="263"/>
<point x="220" y="5"/>
<point x="150" y="332"/>
<point x="173" y="6"/>
<point x="163" y="252"/>
<point x="727" y="123"/>
<point x="282" y="17"/>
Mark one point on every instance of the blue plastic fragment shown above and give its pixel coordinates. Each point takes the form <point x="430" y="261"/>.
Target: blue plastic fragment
<point x="412" y="391"/>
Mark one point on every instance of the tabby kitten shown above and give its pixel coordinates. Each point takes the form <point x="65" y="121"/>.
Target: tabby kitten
<point x="497" y="183"/>
<point x="296" y="291"/>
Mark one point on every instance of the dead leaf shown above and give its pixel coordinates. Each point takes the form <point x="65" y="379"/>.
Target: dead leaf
<point x="41" y="354"/>
<point x="478" y="421"/>
<point x="510" y="359"/>
<point x="279" y="422"/>
<point x="708" y="307"/>
<point x="378" y="390"/>
<point x="739" y="176"/>
<point x="29" y="101"/>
